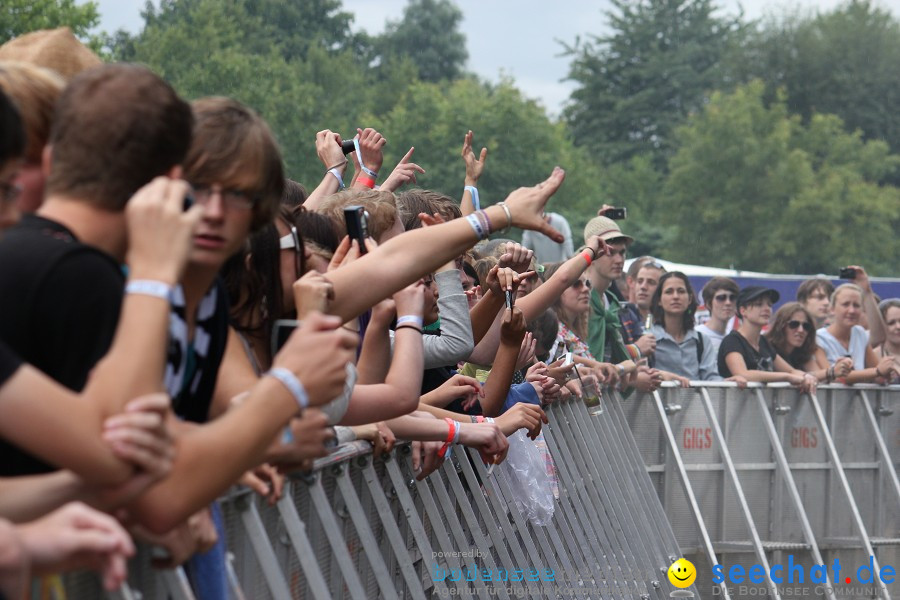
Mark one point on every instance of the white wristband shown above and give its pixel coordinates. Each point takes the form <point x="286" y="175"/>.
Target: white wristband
<point x="293" y="385"/>
<point x="334" y="171"/>
<point x="149" y="287"/>
<point x="414" y="319"/>
<point x="458" y="428"/>
<point x="476" y="202"/>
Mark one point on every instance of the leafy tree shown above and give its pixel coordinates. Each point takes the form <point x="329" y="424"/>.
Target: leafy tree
<point x="842" y="62"/>
<point x="523" y="144"/>
<point x="637" y="84"/>
<point x="429" y="35"/>
<point x="752" y="187"/>
<point x="22" y="16"/>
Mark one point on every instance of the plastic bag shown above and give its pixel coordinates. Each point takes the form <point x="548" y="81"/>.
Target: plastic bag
<point x="531" y="488"/>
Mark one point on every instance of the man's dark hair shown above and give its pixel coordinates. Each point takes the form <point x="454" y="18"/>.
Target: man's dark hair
<point x="116" y="128"/>
<point x="714" y="285"/>
<point x="808" y="287"/>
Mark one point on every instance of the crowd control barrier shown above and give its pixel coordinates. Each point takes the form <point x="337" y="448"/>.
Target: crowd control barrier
<point x="767" y="476"/>
<point x="359" y="528"/>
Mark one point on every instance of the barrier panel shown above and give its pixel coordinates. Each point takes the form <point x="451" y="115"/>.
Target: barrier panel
<point x="358" y="528"/>
<point x="766" y="476"/>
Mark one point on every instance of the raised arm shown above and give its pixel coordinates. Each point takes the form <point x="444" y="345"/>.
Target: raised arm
<point x="400" y="261"/>
<point x="474" y="168"/>
<point x="328" y="148"/>
<point x="877" y="326"/>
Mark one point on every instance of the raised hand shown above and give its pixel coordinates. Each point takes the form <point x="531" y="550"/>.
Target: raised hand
<point x="328" y="149"/>
<point x="312" y="292"/>
<point x="160" y="231"/>
<point x="526" y="205"/>
<point x="403" y="173"/>
<point x="517" y="257"/>
<point x="474" y="166"/>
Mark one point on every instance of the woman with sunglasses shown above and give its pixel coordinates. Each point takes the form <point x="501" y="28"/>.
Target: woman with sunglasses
<point x="792" y="336"/>
<point x="682" y="353"/>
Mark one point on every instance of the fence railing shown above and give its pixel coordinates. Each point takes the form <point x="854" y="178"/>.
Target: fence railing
<point x="719" y="475"/>
<point x="767" y="476"/>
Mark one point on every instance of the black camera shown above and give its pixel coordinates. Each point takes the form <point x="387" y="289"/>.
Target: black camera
<point x="357" y="220"/>
<point x="347" y="146"/>
<point x="616" y="214"/>
<point x="847" y="273"/>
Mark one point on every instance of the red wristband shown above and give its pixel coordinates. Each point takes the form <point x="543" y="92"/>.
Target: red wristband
<point x="366" y="181"/>
<point x="586" y="257"/>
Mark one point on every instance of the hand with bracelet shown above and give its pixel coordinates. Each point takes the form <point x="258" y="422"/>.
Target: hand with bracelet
<point x="410" y="302"/>
<point x="368" y="157"/>
<point x="160" y="231"/>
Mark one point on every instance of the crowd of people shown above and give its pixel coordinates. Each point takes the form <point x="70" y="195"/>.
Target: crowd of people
<point x="179" y="317"/>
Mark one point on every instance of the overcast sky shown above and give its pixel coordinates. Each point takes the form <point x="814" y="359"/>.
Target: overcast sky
<point x="520" y="38"/>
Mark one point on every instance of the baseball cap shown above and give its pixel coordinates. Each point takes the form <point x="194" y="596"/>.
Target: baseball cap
<point x="754" y="292"/>
<point x="606" y="229"/>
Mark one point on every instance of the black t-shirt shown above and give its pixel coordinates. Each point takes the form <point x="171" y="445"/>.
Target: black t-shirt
<point x="60" y="307"/>
<point x="9" y="363"/>
<point x="764" y="360"/>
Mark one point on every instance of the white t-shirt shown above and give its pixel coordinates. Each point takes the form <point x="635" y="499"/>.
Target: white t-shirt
<point x="714" y="336"/>
<point x="859" y="339"/>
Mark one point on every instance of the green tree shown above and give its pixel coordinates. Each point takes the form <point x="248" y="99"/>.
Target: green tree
<point x="842" y="62"/>
<point x="637" y="84"/>
<point x="752" y="187"/>
<point x="523" y="144"/>
<point x="428" y="34"/>
<point x="22" y="16"/>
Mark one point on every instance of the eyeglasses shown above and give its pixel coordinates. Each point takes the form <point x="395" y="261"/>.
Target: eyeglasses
<point x="724" y="297"/>
<point x="579" y="283"/>
<point x="233" y="199"/>
<point x="795" y="324"/>
<point x="9" y="192"/>
<point x="291" y="241"/>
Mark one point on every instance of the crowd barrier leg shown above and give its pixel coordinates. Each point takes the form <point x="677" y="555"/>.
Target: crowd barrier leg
<point x="262" y="547"/>
<point x="296" y="530"/>
<point x="739" y="490"/>
<point x="234" y="583"/>
<point x="886" y="464"/>
<point x="338" y="546"/>
<point x="687" y="487"/>
<point x="607" y="469"/>
<point x="591" y="506"/>
<point x="838" y="470"/>
<point x="176" y="584"/>
<point x="459" y="541"/>
<point x="369" y="543"/>
<point x="392" y="531"/>
<point x="785" y="470"/>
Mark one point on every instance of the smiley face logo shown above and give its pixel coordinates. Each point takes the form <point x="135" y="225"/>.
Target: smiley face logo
<point x="682" y="573"/>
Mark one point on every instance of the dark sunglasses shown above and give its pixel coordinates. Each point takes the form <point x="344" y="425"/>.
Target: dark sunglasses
<point x="795" y="324"/>
<point x="724" y="297"/>
<point x="578" y="283"/>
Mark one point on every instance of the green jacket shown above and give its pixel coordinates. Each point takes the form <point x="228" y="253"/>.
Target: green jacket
<point x="604" y="322"/>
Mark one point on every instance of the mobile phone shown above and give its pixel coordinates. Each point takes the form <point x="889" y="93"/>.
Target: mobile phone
<point x="281" y="331"/>
<point x="357" y="220"/>
<point x="347" y="146"/>
<point x="568" y="359"/>
<point x="847" y="273"/>
<point x="616" y="214"/>
<point x="509" y="299"/>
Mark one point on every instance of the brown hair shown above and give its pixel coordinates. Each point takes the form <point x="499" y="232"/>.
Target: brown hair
<point x="659" y="316"/>
<point x="412" y="202"/>
<point x="776" y="335"/>
<point x="382" y="209"/>
<point x="34" y="90"/>
<point x="116" y="128"/>
<point x="714" y="285"/>
<point x="809" y="286"/>
<point x="578" y="324"/>
<point x="233" y="146"/>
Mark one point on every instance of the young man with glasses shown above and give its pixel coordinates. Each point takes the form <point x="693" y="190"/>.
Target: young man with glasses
<point x="720" y="298"/>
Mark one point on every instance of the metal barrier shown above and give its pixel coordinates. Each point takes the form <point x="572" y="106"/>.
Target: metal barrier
<point x="766" y="476"/>
<point x="360" y="528"/>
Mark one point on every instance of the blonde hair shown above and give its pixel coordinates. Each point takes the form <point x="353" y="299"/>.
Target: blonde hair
<point x="843" y="287"/>
<point x="34" y="90"/>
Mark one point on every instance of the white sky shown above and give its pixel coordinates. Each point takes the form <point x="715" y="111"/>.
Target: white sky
<point x="519" y="38"/>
